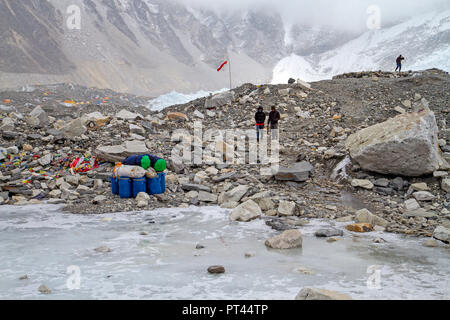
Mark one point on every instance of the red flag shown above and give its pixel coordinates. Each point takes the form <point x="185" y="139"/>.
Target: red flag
<point x="222" y="65"/>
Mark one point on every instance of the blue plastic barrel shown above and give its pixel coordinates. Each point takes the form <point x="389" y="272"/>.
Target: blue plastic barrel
<point x="139" y="185"/>
<point x="162" y="177"/>
<point x="154" y="185"/>
<point x="125" y="187"/>
<point x="115" y="185"/>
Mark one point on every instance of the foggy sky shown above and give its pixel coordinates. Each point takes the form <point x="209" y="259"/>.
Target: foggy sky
<point x="341" y="14"/>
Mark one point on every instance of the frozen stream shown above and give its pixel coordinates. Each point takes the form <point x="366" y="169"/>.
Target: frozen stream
<point x="42" y="242"/>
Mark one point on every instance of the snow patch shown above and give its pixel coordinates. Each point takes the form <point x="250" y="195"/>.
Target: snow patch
<point x="174" y="98"/>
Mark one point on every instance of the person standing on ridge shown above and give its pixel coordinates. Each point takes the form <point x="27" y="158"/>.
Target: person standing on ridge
<point x="399" y="63"/>
<point x="272" y="123"/>
<point x="260" y="119"/>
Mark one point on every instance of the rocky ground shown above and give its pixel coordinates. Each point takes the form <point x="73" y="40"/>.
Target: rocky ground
<point x="41" y="134"/>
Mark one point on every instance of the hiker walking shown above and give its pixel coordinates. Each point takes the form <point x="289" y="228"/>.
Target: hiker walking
<point x="260" y="119"/>
<point x="272" y="123"/>
<point x="399" y="63"/>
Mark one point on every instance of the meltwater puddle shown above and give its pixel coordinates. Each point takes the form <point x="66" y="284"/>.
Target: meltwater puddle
<point x="42" y="242"/>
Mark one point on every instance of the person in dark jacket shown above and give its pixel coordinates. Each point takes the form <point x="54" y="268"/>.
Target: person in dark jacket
<point x="272" y="123"/>
<point x="146" y="161"/>
<point x="260" y="119"/>
<point x="399" y="63"/>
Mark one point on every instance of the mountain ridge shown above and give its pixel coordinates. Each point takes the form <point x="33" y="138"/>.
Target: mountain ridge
<point x="151" y="47"/>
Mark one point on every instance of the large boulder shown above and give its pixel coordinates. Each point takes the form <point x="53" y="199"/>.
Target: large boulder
<point x="405" y="145"/>
<point x="289" y="239"/>
<point x="300" y="172"/>
<point x="320" y="294"/>
<point x="245" y="212"/>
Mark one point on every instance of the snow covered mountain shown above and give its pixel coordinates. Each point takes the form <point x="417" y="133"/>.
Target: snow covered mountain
<point x="151" y="47"/>
<point x="423" y="40"/>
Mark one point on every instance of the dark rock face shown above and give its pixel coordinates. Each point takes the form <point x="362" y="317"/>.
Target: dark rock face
<point x="31" y="44"/>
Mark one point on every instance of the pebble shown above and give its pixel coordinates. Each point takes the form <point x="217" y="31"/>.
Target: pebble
<point x="44" y="289"/>
<point x="216" y="269"/>
<point x="103" y="249"/>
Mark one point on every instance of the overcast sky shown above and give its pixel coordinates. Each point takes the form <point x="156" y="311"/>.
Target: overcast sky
<point x="345" y="14"/>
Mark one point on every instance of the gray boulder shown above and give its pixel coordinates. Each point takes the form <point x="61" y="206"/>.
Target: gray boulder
<point x="405" y="145"/>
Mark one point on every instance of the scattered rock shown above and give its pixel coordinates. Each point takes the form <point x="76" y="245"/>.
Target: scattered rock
<point x="420" y="186"/>
<point x="360" y="227"/>
<point x="430" y="243"/>
<point x="246" y="211"/>
<point x="366" y="184"/>
<point x="411" y="205"/>
<point x="195" y="187"/>
<point x="304" y="271"/>
<point x="445" y="185"/>
<point x="287" y="240"/>
<point x="299" y="172"/>
<point x="287" y="208"/>
<point x="365" y="216"/>
<point x="442" y="233"/>
<point x="74" y="128"/>
<point x="423" y="196"/>
<point x="320" y="294"/>
<point x="216" y="269"/>
<point x="177" y="115"/>
<point x="331" y="232"/>
<point x="345" y="219"/>
<point x="44" y="289"/>
<point x="103" y="249"/>
<point x="207" y="197"/>
<point x="234" y="195"/>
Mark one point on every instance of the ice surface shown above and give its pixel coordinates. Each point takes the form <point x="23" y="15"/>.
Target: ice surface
<point x="42" y="242"/>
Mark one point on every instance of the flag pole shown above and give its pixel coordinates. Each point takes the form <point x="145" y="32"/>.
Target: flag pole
<point x="229" y="68"/>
